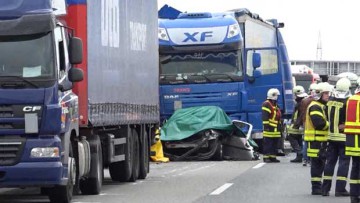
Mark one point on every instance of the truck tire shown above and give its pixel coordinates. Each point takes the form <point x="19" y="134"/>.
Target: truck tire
<point x="121" y="171"/>
<point x="64" y="193"/>
<point x="136" y="156"/>
<point x="144" y="155"/>
<point x="91" y="185"/>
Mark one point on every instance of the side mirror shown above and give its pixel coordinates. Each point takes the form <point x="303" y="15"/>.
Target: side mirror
<point x="76" y="75"/>
<point x="256" y="73"/>
<point x="75" y="50"/>
<point x="256" y="60"/>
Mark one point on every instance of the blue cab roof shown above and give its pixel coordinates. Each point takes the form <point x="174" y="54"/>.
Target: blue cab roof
<point x="194" y="20"/>
<point x="10" y="9"/>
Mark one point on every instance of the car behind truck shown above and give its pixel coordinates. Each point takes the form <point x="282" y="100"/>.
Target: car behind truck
<point x="61" y="125"/>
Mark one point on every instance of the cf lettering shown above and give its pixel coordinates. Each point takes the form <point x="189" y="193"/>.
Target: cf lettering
<point x="31" y="108"/>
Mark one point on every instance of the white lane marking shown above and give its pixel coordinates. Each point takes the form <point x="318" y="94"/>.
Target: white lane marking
<point x="86" y="202"/>
<point x="221" y="189"/>
<point x="259" y="165"/>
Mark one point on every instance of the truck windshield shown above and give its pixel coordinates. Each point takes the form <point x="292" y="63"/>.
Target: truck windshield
<point x="201" y="67"/>
<point x="27" y="60"/>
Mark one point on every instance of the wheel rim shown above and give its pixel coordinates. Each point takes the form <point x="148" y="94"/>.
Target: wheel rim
<point x="72" y="170"/>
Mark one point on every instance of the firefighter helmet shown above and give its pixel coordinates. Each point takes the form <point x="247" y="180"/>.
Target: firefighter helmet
<point x="321" y="88"/>
<point x="312" y="88"/>
<point x="299" y="91"/>
<point x="342" y="88"/>
<point x="357" y="90"/>
<point x="273" y="94"/>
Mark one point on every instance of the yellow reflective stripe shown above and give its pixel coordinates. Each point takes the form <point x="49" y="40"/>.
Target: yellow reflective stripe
<point x="266" y="156"/>
<point x="271" y="136"/>
<point x="327" y="177"/>
<point x="266" y="122"/>
<point x="352" y="123"/>
<point x="317" y="113"/>
<point x="337" y="137"/>
<point x="273" y="121"/>
<point x="266" y="109"/>
<point x="313" y="150"/>
<point x="326" y="126"/>
<point x="272" y="156"/>
<point x="350" y="130"/>
<point x="312" y="155"/>
<point x="347" y="153"/>
<point x="352" y="181"/>
<point x="272" y="133"/>
<point x="273" y="125"/>
<point x="316" y="179"/>
<point x="321" y="138"/>
<point x="316" y="132"/>
<point x="341" y="178"/>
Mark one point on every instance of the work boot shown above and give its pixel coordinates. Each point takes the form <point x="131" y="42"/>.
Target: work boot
<point x="316" y="192"/>
<point x="354" y="199"/>
<point x="280" y="152"/>
<point x="342" y="194"/>
<point x="325" y="193"/>
<point x="304" y="162"/>
<point x="267" y="160"/>
<point x="297" y="159"/>
<point x="274" y="160"/>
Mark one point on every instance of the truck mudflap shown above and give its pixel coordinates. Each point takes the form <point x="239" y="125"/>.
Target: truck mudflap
<point x="28" y="174"/>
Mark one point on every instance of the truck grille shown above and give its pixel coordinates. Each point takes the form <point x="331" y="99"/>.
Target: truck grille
<point x="10" y="152"/>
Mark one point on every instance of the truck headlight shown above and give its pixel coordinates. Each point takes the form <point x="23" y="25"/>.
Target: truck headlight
<point x="163" y="35"/>
<point x="233" y="30"/>
<point x="44" y="152"/>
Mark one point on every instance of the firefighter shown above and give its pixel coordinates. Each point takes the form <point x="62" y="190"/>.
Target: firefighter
<point x="301" y="121"/>
<point x="294" y="131"/>
<point x="336" y="110"/>
<point x="316" y="133"/>
<point x="352" y="144"/>
<point x="271" y="116"/>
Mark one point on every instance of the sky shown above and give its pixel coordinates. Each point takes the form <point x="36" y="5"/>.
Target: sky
<point x="337" y="21"/>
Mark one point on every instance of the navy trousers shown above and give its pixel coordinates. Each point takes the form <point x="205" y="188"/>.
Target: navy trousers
<point x="335" y="151"/>
<point x="270" y="147"/>
<point x="355" y="177"/>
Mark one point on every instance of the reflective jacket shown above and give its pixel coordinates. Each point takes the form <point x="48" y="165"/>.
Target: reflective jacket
<point x="271" y="116"/>
<point x="352" y="126"/>
<point x="316" y="124"/>
<point x="336" y="109"/>
<point x="294" y="128"/>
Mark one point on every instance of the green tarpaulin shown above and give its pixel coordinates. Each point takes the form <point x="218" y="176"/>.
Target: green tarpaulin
<point x="189" y="121"/>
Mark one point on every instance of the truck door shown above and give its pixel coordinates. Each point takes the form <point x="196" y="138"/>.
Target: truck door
<point x="259" y="80"/>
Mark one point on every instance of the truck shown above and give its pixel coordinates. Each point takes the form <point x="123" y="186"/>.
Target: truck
<point x="304" y="75"/>
<point x="227" y="59"/>
<point x="79" y="85"/>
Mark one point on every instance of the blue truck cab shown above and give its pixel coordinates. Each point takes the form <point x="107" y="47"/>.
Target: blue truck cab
<point x="227" y="59"/>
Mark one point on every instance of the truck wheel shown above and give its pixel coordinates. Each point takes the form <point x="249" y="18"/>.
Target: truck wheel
<point x="121" y="171"/>
<point x="136" y="157"/>
<point x="64" y="193"/>
<point x="91" y="185"/>
<point x="144" y="155"/>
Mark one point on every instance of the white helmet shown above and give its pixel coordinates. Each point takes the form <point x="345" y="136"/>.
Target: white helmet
<point x="357" y="90"/>
<point x="312" y="88"/>
<point x="321" y="88"/>
<point x="299" y="91"/>
<point x="342" y="88"/>
<point x="273" y="94"/>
